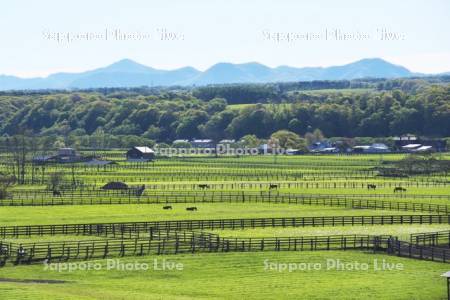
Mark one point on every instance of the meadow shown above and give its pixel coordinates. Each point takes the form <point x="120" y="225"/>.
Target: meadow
<point x="235" y="276"/>
<point x="246" y="189"/>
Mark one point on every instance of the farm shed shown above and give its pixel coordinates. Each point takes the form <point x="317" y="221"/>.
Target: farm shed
<point x="140" y="153"/>
<point x="206" y="143"/>
<point x="115" y="185"/>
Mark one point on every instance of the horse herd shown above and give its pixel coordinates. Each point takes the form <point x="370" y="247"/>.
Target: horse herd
<point x="192" y="208"/>
<point x="272" y="186"/>
<point x="396" y="189"/>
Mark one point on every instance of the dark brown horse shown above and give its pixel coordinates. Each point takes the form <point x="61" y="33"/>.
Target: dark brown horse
<point x="371" y="187"/>
<point x="273" y="186"/>
<point x="399" y="189"/>
<point x="204" y="186"/>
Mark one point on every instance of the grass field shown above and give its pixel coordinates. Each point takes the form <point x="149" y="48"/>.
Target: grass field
<point x="237" y="276"/>
<point x="402" y="231"/>
<point x="230" y="275"/>
<point x="154" y="212"/>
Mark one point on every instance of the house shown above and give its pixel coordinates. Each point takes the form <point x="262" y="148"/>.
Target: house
<point x="140" y="154"/>
<point x="379" y="148"/>
<point x="361" y="149"/>
<point x="63" y="155"/>
<point x="66" y="152"/>
<point x="439" y="145"/>
<point x="424" y="149"/>
<point x="404" y="140"/>
<point x="44" y="159"/>
<point x="206" y="143"/>
<point x="227" y="142"/>
<point x="411" y="147"/>
<point x="374" y="148"/>
<point x="319" y="146"/>
<point x="418" y="148"/>
<point x="330" y="150"/>
<point x="68" y="155"/>
<point x="294" y="152"/>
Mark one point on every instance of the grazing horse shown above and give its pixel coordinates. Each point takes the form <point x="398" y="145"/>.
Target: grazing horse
<point x="140" y="190"/>
<point x="399" y="189"/>
<point x="371" y="186"/>
<point x="4" y="249"/>
<point x="21" y="252"/>
<point x="167" y="207"/>
<point x="204" y="186"/>
<point x="191" y="208"/>
<point x="57" y="193"/>
<point x="273" y="186"/>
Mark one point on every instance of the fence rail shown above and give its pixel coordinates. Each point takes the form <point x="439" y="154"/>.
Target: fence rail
<point x="438" y="238"/>
<point x="411" y="250"/>
<point x="27" y="253"/>
<point x="123" y="229"/>
<point x="221" y="197"/>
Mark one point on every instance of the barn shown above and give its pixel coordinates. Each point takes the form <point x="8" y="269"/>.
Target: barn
<point x="115" y="185"/>
<point x="140" y="153"/>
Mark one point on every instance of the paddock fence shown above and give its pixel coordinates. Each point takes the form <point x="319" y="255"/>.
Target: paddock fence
<point x="130" y="229"/>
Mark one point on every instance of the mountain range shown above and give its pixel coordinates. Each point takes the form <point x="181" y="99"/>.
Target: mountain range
<point x="128" y="73"/>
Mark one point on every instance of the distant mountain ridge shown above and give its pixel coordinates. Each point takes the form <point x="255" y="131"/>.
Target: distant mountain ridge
<point x="128" y="73"/>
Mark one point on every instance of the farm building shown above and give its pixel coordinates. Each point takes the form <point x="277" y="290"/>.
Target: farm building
<point x="438" y="145"/>
<point x="207" y="143"/>
<point x="320" y="146"/>
<point x="179" y="141"/>
<point x="68" y="155"/>
<point x="404" y="140"/>
<point x="374" y="148"/>
<point x="424" y="149"/>
<point x="64" y="155"/>
<point x="329" y="150"/>
<point x="294" y="152"/>
<point x="417" y="148"/>
<point x="227" y="142"/>
<point x="411" y="147"/>
<point x="69" y="152"/>
<point x="115" y="185"/>
<point x="140" y="154"/>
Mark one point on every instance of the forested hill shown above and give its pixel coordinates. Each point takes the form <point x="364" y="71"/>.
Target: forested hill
<point x="376" y="108"/>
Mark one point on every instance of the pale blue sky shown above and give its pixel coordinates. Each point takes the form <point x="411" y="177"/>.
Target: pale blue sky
<point x="220" y="31"/>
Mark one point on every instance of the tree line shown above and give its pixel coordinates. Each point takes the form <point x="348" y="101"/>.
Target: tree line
<point x="129" y="117"/>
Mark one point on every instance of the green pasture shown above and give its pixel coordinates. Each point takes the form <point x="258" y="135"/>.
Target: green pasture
<point x="401" y="231"/>
<point x="229" y="275"/>
<point x="25" y="215"/>
<point x="237" y="276"/>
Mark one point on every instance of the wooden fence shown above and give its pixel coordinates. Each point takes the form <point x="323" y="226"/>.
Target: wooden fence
<point x="44" y="199"/>
<point x="438" y="239"/>
<point x="412" y="250"/>
<point x="124" y="229"/>
<point x="27" y="253"/>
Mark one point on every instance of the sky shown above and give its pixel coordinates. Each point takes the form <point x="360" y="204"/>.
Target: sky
<point x="47" y="36"/>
